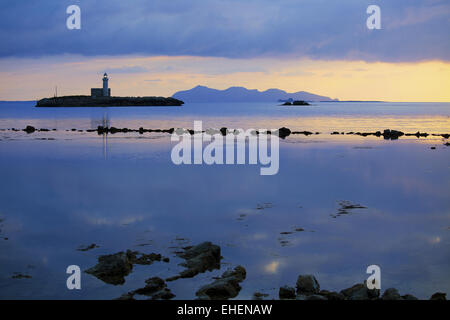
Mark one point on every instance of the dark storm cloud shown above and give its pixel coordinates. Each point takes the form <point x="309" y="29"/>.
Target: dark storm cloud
<point x="411" y="30"/>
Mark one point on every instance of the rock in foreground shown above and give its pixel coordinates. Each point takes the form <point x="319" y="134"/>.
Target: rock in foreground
<point x="308" y="288"/>
<point x="203" y="257"/>
<point x="360" y="292"/>
<point x="439" y="296"/>
<point x="307" y="285"/>
<point x="286" y="292"/>
<point x="155" y="288"/>
<point x="113" y="268"/>
<point x="225" y="287"/>
<point x="391" y="294"/>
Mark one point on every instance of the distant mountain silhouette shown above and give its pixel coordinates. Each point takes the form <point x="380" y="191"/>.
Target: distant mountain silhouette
<point x="241" y="94"/>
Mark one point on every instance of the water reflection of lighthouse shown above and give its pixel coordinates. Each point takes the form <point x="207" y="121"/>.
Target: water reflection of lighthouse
<point x="105" y="123"/>
<point x="105" y="135"/>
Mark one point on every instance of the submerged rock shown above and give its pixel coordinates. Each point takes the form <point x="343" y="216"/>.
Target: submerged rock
<point x="227" y="286"/>
<point x="203" y="257"/>
<point x="152" y="285"/>
<point x="144" y="259"/>
<point x="112" y="268"/>
<point x="259" y="295"/>
<point x="347" y="207"/>
<point x="18" y="275"/>
<point x="155" y="288"/>
<point x="87" y="248"/>
<point x="307" y="285"/>
<point x="126" y="296"/>
<point x="164" y="294"/>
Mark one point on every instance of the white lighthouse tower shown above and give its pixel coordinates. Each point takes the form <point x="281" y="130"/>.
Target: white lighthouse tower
<point x="105" y="85"/>
<point x="102" y="92"/>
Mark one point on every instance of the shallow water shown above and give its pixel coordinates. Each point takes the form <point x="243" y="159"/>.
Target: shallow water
<point x="322" y="117"/>
<point x="123" y="192"/>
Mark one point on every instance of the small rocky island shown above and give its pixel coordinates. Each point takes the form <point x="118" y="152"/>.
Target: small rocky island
<point x="89" y="101"/>
<point x="101" y="97"/>
<point x="296" y="103"/>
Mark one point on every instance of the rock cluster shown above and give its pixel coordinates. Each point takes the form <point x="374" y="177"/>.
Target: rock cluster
<point x="308" y="288"/>
<point x="113" y="268"/>
<point x="155" y="288"/>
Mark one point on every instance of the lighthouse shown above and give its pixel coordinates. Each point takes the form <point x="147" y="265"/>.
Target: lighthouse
<point x="102" y="92"/>
<point x="105" y="85"/>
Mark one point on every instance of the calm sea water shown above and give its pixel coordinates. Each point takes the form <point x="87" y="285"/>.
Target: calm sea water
<point x="63" y="189"/>
<point x="323" y="117"/>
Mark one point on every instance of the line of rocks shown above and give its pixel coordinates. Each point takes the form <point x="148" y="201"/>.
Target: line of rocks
<point x="308" y="288"/>
<point x="283" y="132"/>
<point x="392" y="134"/>
<point x="141" y="130"/>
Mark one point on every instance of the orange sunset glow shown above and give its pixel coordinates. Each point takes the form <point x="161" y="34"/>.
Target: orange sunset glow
<point x="162" y="75"/>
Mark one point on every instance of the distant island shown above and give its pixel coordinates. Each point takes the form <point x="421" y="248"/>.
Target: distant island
<point x="101" y="97"/>
<point x="241" y="94"/>
<point x="295" y="103"/>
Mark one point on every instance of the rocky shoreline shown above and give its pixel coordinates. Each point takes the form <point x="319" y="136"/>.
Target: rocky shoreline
<point x="88" y="101"/>
<point x="308" y="288"/>
<point x="112" y="269"/>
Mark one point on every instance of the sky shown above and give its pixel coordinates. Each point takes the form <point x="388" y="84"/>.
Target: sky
<point x="152" y="47"/>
